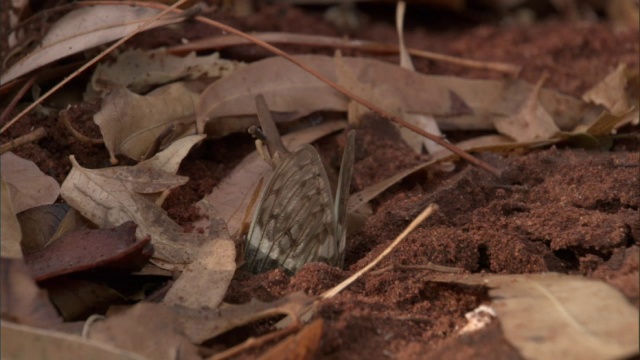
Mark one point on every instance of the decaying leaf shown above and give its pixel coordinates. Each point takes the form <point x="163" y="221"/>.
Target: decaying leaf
<point x="561" y="316"/>
<point x="454" y="102"/>
<point x="229" y="200"/>
<point x="303" y="345"/>
<point x="150" y="330"/>
<point x="204" y="324"/>
<point x="611" y="92"/>
<point x="29" y="187"/>
<point x="83" y="29"/>
<point x="110" y="197"/>
<point x="423" y="121"/>
<point x="73" y="33"/>
<point x="131" y="123"/>
<point x="86" y="249"/>
<point x="21" y="342"/>
<point x="531" y="122"/>
<point x="204" y="282"/>
<point x="169" y="159"/>
<point x="11" y="232"/>
<point x="43" y="224"/>
<point x="77" y="299"/>
<point x="141" y="70"/>
<point x="21" y="300"/>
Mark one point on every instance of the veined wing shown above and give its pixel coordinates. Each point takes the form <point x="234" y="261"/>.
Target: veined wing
<point x="294" y="221"/>
<point x="342" y="195"/>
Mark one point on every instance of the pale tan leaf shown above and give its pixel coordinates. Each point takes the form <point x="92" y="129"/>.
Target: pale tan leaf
<point x="455" y="103"/>
<point x="150" y="330"/>
<point x="610" y="92"/>
<point x="204" y="282"/>
<point x="110" y="197"/>
<point x="170" y="158"/>
<point x="20" y="342"/>
<point x="131" y="123"/>
<point x="11" y="233"/>
<point x="549" y="316"/>
<point x="29" y="186"/>
<point x="423" y="121"/>
<point x="229" y="200"/>
<point x="531" y="122"/>
<point x="83" y="29"/>
<point x="141" y="70"/>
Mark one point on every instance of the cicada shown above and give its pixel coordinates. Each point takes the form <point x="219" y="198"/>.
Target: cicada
<point x="296" y="219"/>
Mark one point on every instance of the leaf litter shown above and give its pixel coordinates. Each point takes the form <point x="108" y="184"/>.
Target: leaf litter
<point x="462" y="234"/>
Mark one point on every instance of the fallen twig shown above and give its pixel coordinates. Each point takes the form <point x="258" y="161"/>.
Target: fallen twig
<point x="64" y="117"/>
<point x="224" y="41"/>
<point x="35" y="135"/>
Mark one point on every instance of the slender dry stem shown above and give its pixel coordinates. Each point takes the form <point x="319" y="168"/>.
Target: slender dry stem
<point x="35" y="135"/>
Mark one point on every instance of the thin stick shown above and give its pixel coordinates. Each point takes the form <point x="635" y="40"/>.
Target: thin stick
<point x="14" y="101"/>
<point x="427" y="266"/>
<point x="414" y="224"/>
<point x="225" y="41"/>
<point x="90" y="63"/>
<point x="35" y="135"/>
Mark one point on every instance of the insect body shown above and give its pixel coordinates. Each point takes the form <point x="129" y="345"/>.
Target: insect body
<point x="296" y="220"/>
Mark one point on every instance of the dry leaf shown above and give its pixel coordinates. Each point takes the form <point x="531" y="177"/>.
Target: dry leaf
<point x="77" y="299"/>
<point x="456" y="103"/>
<point x="423" y="121"/>
<point x="549" y="316"/>
<point x="21" y="299"/>
<point x="44" y="224"/>
<point x="228" y="201"/>
<point x="205" y="324"/>
<point x="300" y="346"/>
<point x="110" y="197"/>
<point x="29" y="187"/>
<point x="611" y="92"/>
<point x="169" y="159"/>
<point x="141" y="70"/>
<point x="11" y="232"/>
<point x="131" y="123"/>
<point x="87" y="249"/>
<point x="531" y="122"/>
<point x="73" y="33"/>
<point x="204" y="282"/>
<point x="147" y="329"/>
<point x="21" y="342"/>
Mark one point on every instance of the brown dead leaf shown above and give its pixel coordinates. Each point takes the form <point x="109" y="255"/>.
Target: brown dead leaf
<point x="611" y="92"/>
<point x="229" y="200"/>
<point x="141" y="70"/>
<point x="21" y="342"/>
<point x="21" y="300"/>
<point x="87" y="249"/>
<point x="300" y="346"/>
<point x="11" y="232"/>
<point x="531" y="122"/>
<point x="169" y="159"/>
<point x="77" y="299"/>
<point x="73" y="33"/>
<point x="29" y="187"/>
<point x="44" y="224"/>
<point x="204" y="324"/>
<point x="131" y="123"/>
<point x="456" y="103"/>
<point x="204" y="282"/>
<point x="110" y="197"/>
<point x="150" y="330"/>
<point x="561" y="316"/>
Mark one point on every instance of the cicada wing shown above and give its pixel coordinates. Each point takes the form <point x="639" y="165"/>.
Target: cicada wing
<point x="342" y="194"/>
<point x="294" y="221"/>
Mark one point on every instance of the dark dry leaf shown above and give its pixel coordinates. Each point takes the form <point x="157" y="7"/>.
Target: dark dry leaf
<point x="21" y="299"/>
<point x="303" y="345"/>
<point x="85" y="249"/>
